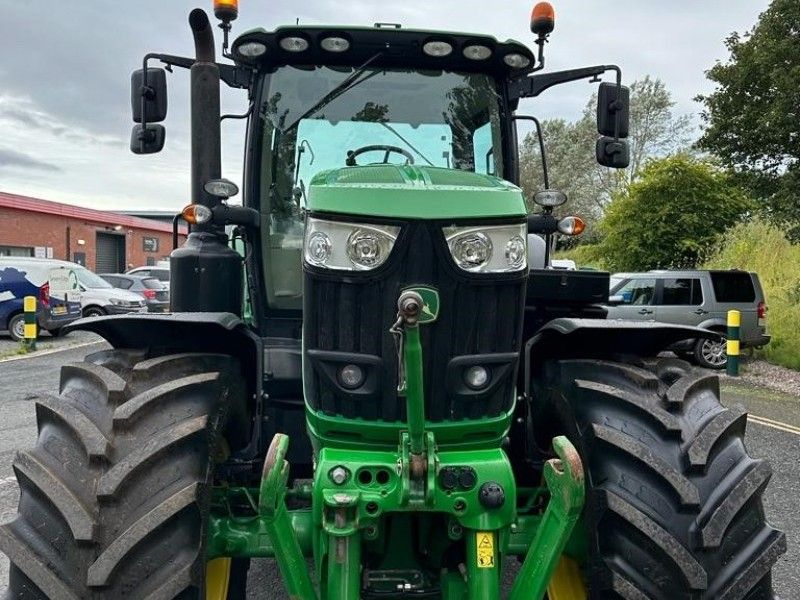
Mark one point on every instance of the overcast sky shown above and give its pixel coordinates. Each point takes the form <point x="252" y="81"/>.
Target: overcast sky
<point x="65" y="75"/>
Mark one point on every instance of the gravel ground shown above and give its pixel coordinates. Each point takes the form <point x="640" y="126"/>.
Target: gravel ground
<point x="760" y="373"/>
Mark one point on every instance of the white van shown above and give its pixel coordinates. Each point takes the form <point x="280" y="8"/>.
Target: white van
<point x="53" y="283"/>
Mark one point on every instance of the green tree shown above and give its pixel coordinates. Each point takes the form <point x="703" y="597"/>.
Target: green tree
<point x="655" y="131"/>
<point x="672" y="216"/>
<point x="752" y="119"/>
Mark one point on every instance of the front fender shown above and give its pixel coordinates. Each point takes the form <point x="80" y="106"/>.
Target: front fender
<point x="601" y="338"/>
<point x="174" y="332"/>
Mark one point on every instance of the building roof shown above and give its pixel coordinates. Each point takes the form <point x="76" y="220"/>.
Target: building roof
<point x="78" y="212"/>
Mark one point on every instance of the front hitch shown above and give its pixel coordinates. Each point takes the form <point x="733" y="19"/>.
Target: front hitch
<point x="565" y="480"/>
<point x="278" y="524"/>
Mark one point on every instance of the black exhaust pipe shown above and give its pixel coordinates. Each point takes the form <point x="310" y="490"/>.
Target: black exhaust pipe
<point x="203" y="36"/>
<point x="206" y="273"/>
<point x="206" y="144"/>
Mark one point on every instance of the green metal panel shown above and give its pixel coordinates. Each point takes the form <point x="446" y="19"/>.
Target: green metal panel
<point x="414" y="192"/>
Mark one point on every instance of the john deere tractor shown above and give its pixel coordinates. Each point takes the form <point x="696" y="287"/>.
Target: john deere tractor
<point x="370" y="374"/>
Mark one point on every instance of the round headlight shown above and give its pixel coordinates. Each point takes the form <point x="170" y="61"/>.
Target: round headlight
<point x="472" y="250"/>
<point x="367" y="249"/>
<point x="335" y="44"/>
<point x="437" y="49"/>
<point x="294" y="44"/>
<point x="351" y="376"/>
<point x="515" y="252"/>
<point x="476" y="377"/>
<point x="318" y="250"/>
<point x="516" y="61"/>
<point x="251" y="49"/>
<point x="477" y="52"/>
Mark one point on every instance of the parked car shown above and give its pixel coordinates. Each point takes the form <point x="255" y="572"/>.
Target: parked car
<point x="98" y="297"/>
<point x="699" y="298"/>
<point x="155" y="293"/>
<point x="52" y="282"/>
<point x="160" y="271"/>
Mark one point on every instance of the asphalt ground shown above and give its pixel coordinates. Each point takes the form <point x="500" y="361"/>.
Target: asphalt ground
<point x="773" y="433"/>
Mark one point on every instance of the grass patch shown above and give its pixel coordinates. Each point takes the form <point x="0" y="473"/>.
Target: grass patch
<point x="764" y="249"/>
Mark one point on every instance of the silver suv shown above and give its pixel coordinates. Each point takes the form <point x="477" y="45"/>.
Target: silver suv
<point x="699" y="298"/>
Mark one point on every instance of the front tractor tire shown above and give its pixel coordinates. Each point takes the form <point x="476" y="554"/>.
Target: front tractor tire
<point x="114" y="497"/>
<point x="673" y="506"/>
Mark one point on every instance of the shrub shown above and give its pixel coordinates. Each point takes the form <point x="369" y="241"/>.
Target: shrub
<point x="764" y="249"/>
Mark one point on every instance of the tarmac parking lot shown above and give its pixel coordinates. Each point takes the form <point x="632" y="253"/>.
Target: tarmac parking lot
<point x="773" y="433"/>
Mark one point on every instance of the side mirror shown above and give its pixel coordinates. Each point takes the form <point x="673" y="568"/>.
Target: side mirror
<point x="612" y="110"/>
<point x="147" y="139"/>
<point x="613" y="153"/>
<point x="617" y="299"/>
<point x="154" y="94"/>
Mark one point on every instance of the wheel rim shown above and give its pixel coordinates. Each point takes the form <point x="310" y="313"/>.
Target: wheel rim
<point x="218" y="578"/>
<point x="567" y="581"/>
<point x="713" y="352"/>
<point x="18" y="329"/>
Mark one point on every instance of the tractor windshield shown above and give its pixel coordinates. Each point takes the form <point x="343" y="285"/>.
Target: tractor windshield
<point x="317" y="118"/>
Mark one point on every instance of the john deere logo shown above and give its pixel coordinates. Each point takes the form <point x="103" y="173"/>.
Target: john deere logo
<point x="430" y="303"/>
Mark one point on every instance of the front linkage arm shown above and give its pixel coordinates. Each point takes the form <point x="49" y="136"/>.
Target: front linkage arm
<point x="564" y="478"/>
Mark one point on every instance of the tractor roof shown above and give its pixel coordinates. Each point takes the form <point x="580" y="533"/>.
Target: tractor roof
<point x="398" y="48"/>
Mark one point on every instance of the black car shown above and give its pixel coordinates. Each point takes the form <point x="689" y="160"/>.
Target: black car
<point x="155" y="293"/>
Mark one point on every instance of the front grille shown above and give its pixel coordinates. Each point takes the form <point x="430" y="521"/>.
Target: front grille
<point x="349" y="315"/>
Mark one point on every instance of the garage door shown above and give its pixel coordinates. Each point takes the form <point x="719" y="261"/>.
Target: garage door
<point x="110" y="253"/>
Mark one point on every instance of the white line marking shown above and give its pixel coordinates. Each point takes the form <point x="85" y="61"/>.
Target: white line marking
<point x="774" y="424"/>
<point x="39" y="353"/>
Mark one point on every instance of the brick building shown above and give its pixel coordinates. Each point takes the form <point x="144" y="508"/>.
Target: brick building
<point x="103" y="241"/>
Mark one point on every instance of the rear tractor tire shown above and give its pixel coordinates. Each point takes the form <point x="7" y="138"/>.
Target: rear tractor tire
<point x="114" y="497"/>
<point x="673" y="506"/>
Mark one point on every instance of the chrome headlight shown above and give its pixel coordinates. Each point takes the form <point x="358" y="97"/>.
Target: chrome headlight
<point x="348" y="246"/>
<point x="493" y="249"/>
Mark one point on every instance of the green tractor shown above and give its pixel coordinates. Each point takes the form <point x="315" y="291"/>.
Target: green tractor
<point x="387" y="390"/>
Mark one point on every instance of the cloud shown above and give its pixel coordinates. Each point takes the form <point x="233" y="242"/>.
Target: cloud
<point x="65" y="97"/>
<point x="24" y="112"/>
<point x="14" y="159"/>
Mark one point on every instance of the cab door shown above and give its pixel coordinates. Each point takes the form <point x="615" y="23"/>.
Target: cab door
<point x="634" y="299"/>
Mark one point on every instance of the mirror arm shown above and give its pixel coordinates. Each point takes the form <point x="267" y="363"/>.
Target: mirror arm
<point x="533" y="85"/>
<point x="545" y="175"/>
<point x="234" y="76"/>
<point x="146" y="92"/>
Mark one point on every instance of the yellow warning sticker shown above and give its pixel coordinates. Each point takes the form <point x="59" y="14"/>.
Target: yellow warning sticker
<point x="484" y="540"/>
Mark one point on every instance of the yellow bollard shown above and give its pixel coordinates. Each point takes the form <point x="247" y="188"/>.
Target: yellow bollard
<point x="734" y="322"/>
<point x="29" y="305"/>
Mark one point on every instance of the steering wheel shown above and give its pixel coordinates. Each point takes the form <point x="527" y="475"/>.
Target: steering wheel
<point x="352" y="154"/>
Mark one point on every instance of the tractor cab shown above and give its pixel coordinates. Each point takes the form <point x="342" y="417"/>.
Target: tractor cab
<point x="348" y="121"/>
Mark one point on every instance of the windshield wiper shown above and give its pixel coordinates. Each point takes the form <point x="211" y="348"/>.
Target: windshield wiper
<point x="348" y="83"/>
<point x="407" y="143"/>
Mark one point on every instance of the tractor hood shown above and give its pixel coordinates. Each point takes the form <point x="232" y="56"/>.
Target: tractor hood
<point x="413" y="192"/>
